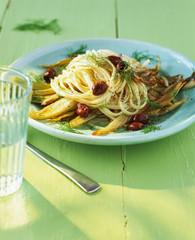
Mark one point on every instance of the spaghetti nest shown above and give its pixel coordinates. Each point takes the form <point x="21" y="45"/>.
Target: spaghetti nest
<point x="122" y="96"/>
<point x="105" y="83"/>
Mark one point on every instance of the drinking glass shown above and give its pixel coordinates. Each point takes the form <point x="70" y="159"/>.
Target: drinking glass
<point x="15" y="94"/>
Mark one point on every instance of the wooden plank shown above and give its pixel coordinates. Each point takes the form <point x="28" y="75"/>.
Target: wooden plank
<point x="78" y="19"/>
<point x="48" y="205"/>
<point x="167" y="23"/>
<point x="3" y="5"/>
<point x="159" y="199"/>
<point x="158" y="177"/>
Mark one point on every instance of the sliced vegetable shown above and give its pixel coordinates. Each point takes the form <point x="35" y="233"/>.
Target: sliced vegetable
<point x="55" y="109"/>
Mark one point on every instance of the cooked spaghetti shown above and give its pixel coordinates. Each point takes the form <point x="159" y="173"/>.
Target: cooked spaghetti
<point x="109" y="84"/>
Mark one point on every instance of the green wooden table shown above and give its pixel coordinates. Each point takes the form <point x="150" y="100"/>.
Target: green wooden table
<point x="148" y="190"/>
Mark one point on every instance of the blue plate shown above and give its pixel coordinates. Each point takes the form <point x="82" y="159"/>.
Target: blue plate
<point x="172" y="63"/>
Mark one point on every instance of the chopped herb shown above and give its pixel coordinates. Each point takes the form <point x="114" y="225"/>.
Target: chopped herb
<point x="89" y="126"/>
<point x="93" y="126"/>
<point x="36" y="77"/>
<point x="38" y="25"/>
<point x="143" y="56"/>
<point x="81" y="50"/>
<point x="60" y="68"/>
<point x="100" y="61"/>
<point x="150" y="128"/>
<point x="128" y="75"/>
<point x="65" y="126"/>
<point x="132" y="73"/>
<point x="155" y="105"/>
<point x="102" y="105"/>
<point x="175" y="92"/>
<point x="97" y="123"/>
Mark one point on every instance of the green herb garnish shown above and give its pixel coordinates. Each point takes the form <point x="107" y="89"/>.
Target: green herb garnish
<point x="128" y="74"/>
<point x="81" y="50"/>
<point x="65" y="126"/>
<point x="101" y="104"/>
<point x="155" y="105"/>
<point x="100" y="61"/>
<point x="175" y="92"/>
<point x="60" y="68"/>
<point x="36" y="77"/>
<point x="127" y="77"/>
<point x="150" y="128"/>
<point x="93" y="126"/>
<point x="143" y="56"/>
<point x="38" y="25"/>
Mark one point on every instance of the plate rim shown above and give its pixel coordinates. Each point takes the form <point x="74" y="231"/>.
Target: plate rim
<point x="107" y="140"/>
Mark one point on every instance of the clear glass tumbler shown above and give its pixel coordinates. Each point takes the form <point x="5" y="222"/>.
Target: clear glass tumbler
<point x="15" y="94"/>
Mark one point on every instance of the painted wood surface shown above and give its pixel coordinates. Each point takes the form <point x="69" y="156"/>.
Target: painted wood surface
<point x="147" y="189"/>
<point x="159" y="176"/>
<point x="4" y="4"/>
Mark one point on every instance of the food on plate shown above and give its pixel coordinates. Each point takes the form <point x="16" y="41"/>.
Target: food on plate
<point x="106" y="84"/>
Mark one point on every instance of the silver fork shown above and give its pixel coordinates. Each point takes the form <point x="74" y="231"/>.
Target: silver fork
<point x="85" y="183"/>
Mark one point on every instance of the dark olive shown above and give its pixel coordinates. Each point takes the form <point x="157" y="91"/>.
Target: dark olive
<point x="99" y="88"/>
<point x="48" y="74"/>
<point x="134" y="126"/>
<point x="114" y="59"/>
<point x="82" y="110"/>
<point x="121" y="66"/>
<point x="142" y="117"/>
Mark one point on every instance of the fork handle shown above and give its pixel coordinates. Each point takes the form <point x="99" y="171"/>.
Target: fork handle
<point x="85" y="183"/>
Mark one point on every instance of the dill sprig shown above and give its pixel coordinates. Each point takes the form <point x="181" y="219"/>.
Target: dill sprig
<point x="175" y="92"/>
<point x="143" y="56"/>
<point x="81" y="50"/>
<point x="128" y="73"/>
<point x="127" y="76"/>
<point x="150" y="128"/>
<point x="36" y="77"/>
<point x="37" y="25"/>
<point x="99" y="60"/>
<point x="102" y="105"/>
<point x="155" y="105"/>
<point x="60" y="68"/>
<point x="65" y="126"/>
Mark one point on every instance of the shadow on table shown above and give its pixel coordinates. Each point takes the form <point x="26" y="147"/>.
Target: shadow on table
<point x="31" y="216"/>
